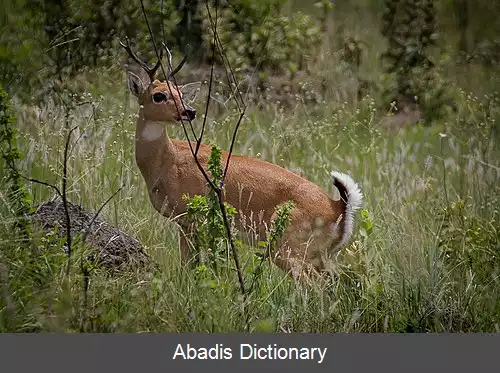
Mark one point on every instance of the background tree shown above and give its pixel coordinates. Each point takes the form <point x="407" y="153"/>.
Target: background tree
<point x="411" y="30"/>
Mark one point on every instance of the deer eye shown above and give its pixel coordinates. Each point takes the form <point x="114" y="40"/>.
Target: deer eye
<point x="159" y="97"/>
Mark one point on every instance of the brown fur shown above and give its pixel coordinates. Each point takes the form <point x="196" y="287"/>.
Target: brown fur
<point x="253" y="186"/>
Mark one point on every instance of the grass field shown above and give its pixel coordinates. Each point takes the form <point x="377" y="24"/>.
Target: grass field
<point x="425" y="255"/>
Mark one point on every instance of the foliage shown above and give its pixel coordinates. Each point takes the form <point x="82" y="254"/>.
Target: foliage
<point x="255" y="36"/>
<point x="33" y="283"/>
<point x="472" y="242"/>
<point x="410" y="28"/>
<point x="204" y="213"/>
<point x="98" y="31"/>
<point x="22" y="42"/>
<point x="70" y="35"/>
<point x="325" y="7"/>
<point x="61" y="37"/>
<point x="18" y="195"/>
<point x="43" y="41"/>
<point x="282" y="220"/>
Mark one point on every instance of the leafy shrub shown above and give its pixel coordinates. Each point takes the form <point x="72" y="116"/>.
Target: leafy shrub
<point x="210" y="236"/>
<point x="19" y="198"/>
<point x="97" y="32"/>
<point x="61" y="37"/>
<point x="204" y="212"/>
<point x="255" y="35"/>
<point x="21" y="38"/>
<point x="472" y="242"/>
<point x="411" y="30"/>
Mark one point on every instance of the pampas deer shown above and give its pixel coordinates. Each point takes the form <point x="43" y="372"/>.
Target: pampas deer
<point x="320" y="225"/>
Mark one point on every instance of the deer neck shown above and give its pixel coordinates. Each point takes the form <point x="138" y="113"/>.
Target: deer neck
<point x="154" y="149"/>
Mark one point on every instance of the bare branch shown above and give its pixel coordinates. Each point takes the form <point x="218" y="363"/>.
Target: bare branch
<point x="209" y="95"/>
<point x="219" y="188"/>
<point x="233" y="140"/>
<point x="179" y="66"/>
<point x="231" y="241"/>
<point x="62" y="194"/>
<point x="84" y="268"/>
<point x="36" y="181"/>
<point x="65" y="198"/>
<point x="231" y="77"/>
<point x="170" y="74"/>
<point x="87" y="230"/>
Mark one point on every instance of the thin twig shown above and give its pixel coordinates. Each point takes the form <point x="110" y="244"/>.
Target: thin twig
<point x="87" y="230"/>
<point x="36" y="181"/>
<point x="233" y="140"/>
<point x="62" y="194"/>
<point x="65" y="198"/>
<point x="231" y="77"/>
<point x="210" y="83"/>
<point x="231" y="241"/>
<point x="85" y="270"/>
<point x="217" y="189"/>
<point x="170" y="67"/>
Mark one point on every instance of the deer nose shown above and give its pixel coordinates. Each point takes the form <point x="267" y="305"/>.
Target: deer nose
<point x="189" y="113"/>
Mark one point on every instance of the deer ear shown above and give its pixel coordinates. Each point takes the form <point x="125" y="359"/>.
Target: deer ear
<point x="135" y="84"/>
<point x="189" y="91"/>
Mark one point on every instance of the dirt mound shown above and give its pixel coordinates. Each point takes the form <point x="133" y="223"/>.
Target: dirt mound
<point x="114" y="248"/>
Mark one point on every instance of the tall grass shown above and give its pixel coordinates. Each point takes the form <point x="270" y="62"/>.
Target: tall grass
<point x="424" y="256"/>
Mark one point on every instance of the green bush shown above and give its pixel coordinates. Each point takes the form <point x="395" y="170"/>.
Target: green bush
<point x="255" y="35"/>
<point x="471" y="242"/>
<point x="22" y="42"/>
<point x="19" y="198"/>
<point x="410" y="27"/>
<point x="51" y="39"/>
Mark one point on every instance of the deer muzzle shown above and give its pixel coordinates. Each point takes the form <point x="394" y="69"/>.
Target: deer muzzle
<point x="188" y="113"/>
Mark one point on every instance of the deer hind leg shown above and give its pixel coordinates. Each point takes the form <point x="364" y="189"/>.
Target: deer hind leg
<point x="294" y="265"/>
<point x="294" y="258"/>
<point x="302" y="252"/>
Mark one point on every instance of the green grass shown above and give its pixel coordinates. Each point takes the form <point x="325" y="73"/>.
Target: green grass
<point x="430" y="263"/>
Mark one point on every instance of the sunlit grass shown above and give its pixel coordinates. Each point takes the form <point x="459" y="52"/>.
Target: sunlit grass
<point x="399" y="276"/>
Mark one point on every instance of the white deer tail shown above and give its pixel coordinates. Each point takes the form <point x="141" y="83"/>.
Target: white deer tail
<point x="351" y="195"/>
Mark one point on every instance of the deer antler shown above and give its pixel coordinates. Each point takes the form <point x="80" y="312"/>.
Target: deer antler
<point x="151" y="71"/>
<point x="171" y="72"/>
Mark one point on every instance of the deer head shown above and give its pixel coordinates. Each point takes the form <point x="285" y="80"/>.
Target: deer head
<point x="162" y="101"/>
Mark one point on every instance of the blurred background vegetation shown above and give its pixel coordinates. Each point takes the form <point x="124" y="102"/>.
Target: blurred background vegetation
<point x="407" y="51"/>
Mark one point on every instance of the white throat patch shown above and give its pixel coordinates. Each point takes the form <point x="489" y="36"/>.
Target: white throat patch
<point x="153" y="130"/>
